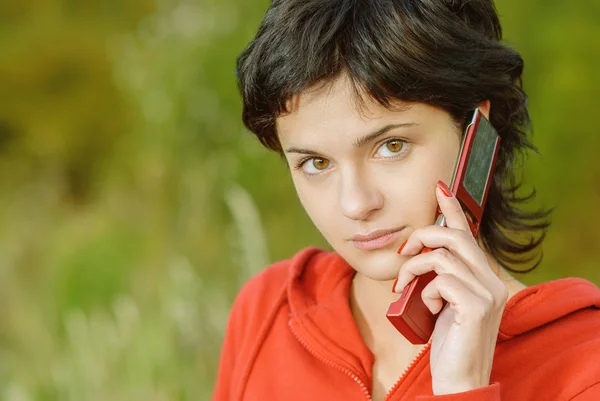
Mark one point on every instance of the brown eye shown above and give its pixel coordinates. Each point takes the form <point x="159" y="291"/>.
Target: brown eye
<point x="392" y="149"/>
<point x="320" y="164"/>
<point x="394" y="146"/>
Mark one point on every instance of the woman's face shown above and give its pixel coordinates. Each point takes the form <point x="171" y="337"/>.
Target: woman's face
<point x="367" y="177"/>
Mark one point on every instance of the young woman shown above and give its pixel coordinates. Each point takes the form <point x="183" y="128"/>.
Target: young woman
<point x="367" y="101"/>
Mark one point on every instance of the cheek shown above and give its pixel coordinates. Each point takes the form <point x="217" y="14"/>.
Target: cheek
<point x="411" y="191"/>
<point x="317" y="202"/>
<point x="411" y="197"/>
<point x="437" y="164"/>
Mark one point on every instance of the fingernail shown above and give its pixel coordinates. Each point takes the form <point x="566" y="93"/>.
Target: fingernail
<point x="394" y="285"/>
<point x="402" y="247"/>
<point x="445" y="189"/>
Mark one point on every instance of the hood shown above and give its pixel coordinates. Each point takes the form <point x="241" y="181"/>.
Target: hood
<point x="544" y="303"/>
<point x="319" y="285"/>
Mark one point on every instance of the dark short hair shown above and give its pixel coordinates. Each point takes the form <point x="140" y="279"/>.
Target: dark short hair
<point x="446" y="53"/>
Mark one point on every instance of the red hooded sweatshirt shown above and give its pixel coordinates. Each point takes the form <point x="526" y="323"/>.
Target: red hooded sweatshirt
<point x="291" y="336"/>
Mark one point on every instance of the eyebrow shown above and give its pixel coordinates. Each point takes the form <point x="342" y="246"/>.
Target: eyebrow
<point x="363" y="140"/>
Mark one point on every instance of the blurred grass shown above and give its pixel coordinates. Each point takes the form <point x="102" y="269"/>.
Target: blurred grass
<point x="134" y="205"/>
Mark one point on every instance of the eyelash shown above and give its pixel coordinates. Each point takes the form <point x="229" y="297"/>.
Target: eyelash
<point x="398" y="154"/>
<point x="301" y="162"/>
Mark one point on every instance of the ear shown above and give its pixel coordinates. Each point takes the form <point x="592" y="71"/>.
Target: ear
<point x="484" y="107"/>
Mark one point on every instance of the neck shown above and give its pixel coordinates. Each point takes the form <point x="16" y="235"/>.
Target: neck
<point x="369" y="299"/>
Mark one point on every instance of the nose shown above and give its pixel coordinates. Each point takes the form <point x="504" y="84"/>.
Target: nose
<point x="359" y="196"/>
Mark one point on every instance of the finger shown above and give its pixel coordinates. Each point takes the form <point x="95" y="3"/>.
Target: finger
<point x="458" y="242"/>
<point x="452" y="239"/>
<point x="442" y="262"/>
<point x="451" y="208"/>
<point x="468" y="265"/>
<point x="467" y="306"/>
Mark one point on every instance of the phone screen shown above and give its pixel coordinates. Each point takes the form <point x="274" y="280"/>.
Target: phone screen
<point x="480" y="161"/>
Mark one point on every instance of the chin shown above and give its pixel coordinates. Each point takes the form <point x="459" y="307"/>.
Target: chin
<point x="380" y="265"/>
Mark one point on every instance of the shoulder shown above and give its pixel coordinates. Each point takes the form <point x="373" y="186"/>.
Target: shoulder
<point x="267" y="290"/>
<point x="553" y="336"/>
<point x="565" y="312"/>
<point x="269" y="282"/>
<point x="577" y="344"/>
<point x="569" y="353"/>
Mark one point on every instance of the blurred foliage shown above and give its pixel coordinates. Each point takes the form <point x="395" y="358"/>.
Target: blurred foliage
<point x="134" y="204"/>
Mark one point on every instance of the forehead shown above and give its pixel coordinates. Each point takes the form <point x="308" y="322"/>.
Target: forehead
<point x="336" y="103"/>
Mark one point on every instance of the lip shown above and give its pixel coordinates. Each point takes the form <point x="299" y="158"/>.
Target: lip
<point x="376" y="239"/>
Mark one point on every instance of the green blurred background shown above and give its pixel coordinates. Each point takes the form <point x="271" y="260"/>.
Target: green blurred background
<point x="134" y="205"/>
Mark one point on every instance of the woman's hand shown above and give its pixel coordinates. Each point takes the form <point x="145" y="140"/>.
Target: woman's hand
<point x="464" y="339"/>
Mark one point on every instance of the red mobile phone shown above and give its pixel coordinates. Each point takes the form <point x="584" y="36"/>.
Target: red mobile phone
<point x="470" y="183"/>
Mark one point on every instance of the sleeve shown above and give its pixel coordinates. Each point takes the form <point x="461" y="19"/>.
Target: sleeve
<point x="230" y="350"/>
<point x="591" y="393"/>
<point x="222" y="388"/>
<point x="487" y="393"/>
<point x="259" y="294"/>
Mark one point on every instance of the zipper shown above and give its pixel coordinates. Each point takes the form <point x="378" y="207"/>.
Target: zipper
<point x="328" y="362"/>
<point x="352" y="375"/>
<point x="408" y="370"/>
